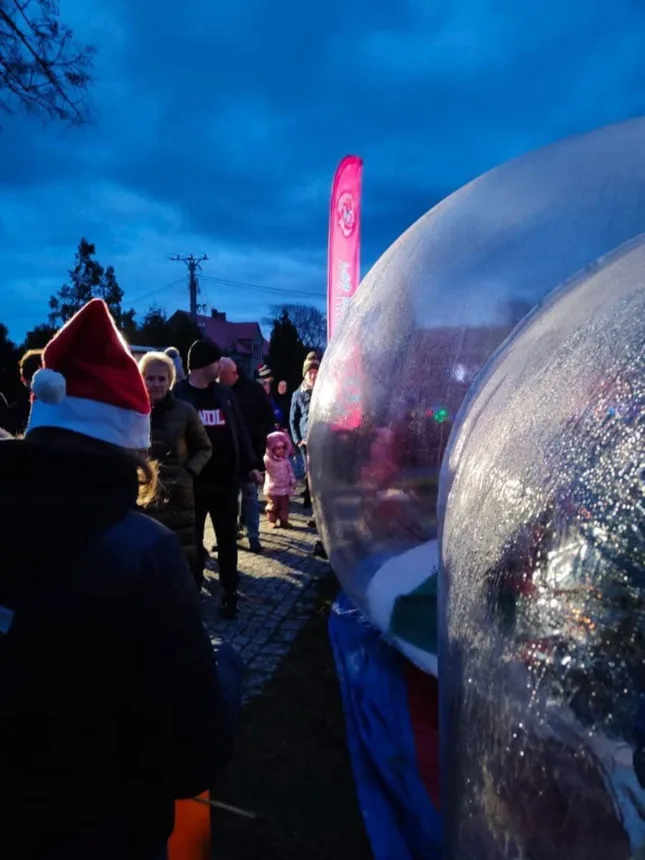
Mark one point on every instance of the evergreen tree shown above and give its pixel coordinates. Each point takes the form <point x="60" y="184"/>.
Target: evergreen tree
<point x="153" y="330"/>
<point x="182" y="333"/>
<point x="9" y="355"/>
<point x="112" y="294"/>
<point x="286" y="351"/>
<point x="310" y="323"/>
<point x="87" y="280"/>
<point x="38" y="337"/>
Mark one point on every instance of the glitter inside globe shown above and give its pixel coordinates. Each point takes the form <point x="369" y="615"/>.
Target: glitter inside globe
<point x="542" y="614"/>
<point x="423" y="324"/>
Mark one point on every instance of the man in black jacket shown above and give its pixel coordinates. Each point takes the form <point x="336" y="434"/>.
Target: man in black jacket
<point x="257" y="412"/>
<point x="233" y="461"/>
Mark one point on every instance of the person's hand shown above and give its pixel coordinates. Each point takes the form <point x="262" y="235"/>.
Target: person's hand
<point x="256" y="476"/>
<point x="302" y="444"/>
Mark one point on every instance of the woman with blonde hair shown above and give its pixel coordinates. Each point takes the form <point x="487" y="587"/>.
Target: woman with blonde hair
<point x="111" y="705"/>
<point x="180" y="447"/>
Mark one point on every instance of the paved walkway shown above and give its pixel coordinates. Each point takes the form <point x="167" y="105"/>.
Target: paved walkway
<point x="277" y="596"/>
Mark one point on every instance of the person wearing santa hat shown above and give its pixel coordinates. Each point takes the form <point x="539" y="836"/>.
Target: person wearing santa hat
<point x="111" y="707"/>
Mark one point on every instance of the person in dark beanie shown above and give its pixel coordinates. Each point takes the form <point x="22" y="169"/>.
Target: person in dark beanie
<point x="217" y="486"/>
<point x="18" y="411"/>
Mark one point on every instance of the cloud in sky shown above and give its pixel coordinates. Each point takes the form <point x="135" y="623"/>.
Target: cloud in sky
<point x="219" y="125"/>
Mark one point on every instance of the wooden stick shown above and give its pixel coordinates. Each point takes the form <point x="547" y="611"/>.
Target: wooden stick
<point x="226" y="807"/>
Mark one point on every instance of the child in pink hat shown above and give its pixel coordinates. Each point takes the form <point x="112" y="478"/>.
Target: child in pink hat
<point x="280" y="481"/>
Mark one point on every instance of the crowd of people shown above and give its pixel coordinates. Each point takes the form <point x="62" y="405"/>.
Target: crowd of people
<point x="113" y="694"/>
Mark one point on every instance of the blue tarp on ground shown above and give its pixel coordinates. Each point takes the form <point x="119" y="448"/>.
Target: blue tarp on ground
<point x="401" y="820"/>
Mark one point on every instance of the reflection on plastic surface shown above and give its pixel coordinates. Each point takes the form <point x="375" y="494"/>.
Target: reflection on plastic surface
<point x="390" y="753"/>
<point x="423" y="324"/>
<point x="543" y="585"/>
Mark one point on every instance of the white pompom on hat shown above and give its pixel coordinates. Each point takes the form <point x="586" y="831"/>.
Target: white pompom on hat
<point x="91" y="384"/>
<point x="48" y="385"/>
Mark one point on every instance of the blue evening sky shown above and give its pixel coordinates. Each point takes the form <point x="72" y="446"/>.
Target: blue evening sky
<point x="218" y="126"/>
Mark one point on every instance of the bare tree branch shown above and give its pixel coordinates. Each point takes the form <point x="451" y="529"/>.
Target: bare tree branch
<point x="310" y="323"/>
<point x="41" y="67"/>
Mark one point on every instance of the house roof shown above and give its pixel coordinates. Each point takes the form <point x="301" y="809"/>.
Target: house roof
<point x="235" y="337"/>
<point x="227" y="334"/>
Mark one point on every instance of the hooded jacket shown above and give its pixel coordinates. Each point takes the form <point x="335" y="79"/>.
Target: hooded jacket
<point x="280" y="479"/>
<point x="111" y="706"/>
<point x="299" y="414"/>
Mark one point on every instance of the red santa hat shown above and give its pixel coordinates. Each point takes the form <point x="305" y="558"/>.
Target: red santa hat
<point x="91" y="384"/>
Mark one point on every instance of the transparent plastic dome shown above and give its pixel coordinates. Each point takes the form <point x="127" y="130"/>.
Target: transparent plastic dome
<point x="424" y="322"/>
<point x="542" y="614"/>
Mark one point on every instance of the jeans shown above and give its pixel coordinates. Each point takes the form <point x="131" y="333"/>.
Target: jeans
<point x="299" y="465"/>
<point x="220" y="500"/>
<point x="251" y="509"/>
<point x="307" y="495"/>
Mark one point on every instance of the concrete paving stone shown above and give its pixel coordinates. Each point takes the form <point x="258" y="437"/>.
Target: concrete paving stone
<point x="274" y="647"/>
<point x="261" y="637"/>
<point x="293" y="624"/>
<point x="264" y="663"/>
<point x="254" y="626"/>
<point x="286" y="635"/>
<point x="279" y="587"/>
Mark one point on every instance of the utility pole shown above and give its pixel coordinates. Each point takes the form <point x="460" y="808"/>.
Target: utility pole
<point x="194" y="265"/>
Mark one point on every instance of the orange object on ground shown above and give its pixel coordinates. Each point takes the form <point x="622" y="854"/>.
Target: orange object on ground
<point x="191" y="838"/>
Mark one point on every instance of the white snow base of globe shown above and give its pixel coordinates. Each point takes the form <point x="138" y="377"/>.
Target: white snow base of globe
<point x="397" y="577"/>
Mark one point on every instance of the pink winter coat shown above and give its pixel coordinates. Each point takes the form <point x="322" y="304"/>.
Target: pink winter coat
<point x="280" y="479"/>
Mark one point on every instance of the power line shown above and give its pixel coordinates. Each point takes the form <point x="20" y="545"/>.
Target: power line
<point x="261" y="287"/>
<point x="158" y="290"/>
<point x="282" y="290"/>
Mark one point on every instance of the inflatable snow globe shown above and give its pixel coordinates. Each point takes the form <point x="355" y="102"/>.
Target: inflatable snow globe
<point x="425" y="321"/>
<point x="542" y="587"/>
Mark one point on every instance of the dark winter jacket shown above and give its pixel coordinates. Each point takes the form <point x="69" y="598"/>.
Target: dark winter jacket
<point x="257" y="413"/>
<point x="281" y="404"/>
<point x="110" y="704"/>
<point x="244" y="460"/>
<point x="299" y="417"/>
<point x="181" y="447"/>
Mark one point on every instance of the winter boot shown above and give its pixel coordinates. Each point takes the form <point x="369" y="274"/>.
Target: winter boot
<point x="228" y="608"/>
